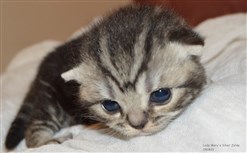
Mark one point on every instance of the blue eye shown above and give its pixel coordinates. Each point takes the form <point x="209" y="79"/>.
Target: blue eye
<point x="110" y="106"/>
<point x="160" y="96"/>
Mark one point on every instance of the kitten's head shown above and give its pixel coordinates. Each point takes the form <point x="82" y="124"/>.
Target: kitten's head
<point x="140" y="69"/>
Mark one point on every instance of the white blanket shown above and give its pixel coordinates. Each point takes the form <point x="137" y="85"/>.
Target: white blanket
<point x="215" y="121"/>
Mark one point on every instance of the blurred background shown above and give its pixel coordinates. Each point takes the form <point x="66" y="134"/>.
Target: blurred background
<point x="26" y="22"/>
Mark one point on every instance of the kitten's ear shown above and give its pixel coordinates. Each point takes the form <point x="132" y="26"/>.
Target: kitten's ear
<point x="185" y="50"/>
<point x="73" y="74"/>
<point x="81" y="73"/>
<point x="195" y="50"/>
<point x="187" y="41"/>
<point x="186" y="36"/>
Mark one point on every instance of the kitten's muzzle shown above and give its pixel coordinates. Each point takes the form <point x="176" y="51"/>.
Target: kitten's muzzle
<point x="137" y="120"/>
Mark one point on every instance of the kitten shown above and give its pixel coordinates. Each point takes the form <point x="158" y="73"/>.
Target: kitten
<point x="134" y="71"/>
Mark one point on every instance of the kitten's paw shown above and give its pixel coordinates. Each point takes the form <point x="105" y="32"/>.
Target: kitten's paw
<point x="60" y="140"/>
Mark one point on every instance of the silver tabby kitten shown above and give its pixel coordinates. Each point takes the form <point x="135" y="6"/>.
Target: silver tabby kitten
<point x="134" y="71"/>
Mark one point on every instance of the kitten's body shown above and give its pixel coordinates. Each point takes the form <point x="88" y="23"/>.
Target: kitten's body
<point x="124" y="57"/>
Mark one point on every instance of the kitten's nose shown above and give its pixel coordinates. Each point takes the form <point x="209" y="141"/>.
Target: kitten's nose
<point x="137" y="120"/>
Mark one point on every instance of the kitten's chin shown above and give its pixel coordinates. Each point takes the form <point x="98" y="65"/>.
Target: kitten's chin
<point x="135" y="133"/>
<point x="139" y="133"/>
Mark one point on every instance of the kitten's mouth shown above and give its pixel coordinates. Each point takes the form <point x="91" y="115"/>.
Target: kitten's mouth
<point x="130" y="132"/>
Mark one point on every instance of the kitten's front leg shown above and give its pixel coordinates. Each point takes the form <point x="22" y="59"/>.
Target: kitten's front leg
<point x="43" y="137"/>
<point x="45" y="122"/>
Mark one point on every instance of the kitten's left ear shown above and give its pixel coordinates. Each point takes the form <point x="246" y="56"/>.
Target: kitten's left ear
<point x="186" y="36"/>
<point x="185" y="50"/>
<point x="194" y="49"/>
<point x="186" y="41"/>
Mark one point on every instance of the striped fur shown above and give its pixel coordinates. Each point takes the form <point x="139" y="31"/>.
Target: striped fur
<point x="124" y="57"/>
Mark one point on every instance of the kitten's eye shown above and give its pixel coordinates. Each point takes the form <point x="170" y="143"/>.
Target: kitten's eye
<point x="110" y="106"/>
<point x="160" y="96"/>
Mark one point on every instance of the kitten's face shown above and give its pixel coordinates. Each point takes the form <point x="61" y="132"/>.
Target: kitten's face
<point x="140" y="89"/>
<point x="146" y="101"/>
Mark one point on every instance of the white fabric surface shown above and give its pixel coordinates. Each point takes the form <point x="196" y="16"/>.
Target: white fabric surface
<point x="217" y="117"/>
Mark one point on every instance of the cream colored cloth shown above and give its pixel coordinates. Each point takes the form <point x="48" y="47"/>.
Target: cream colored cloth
<point x="216" y="118"/>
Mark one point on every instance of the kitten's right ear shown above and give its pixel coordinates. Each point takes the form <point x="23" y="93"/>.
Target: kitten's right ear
<point x="73" y="74"/>
<point x="80" y="73"/>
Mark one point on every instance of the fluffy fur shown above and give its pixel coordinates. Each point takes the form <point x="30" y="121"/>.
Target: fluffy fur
<point x="124" y="57"/>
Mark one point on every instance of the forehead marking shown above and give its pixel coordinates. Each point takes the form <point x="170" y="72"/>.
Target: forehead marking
<point x="142" y="53"/>
<point x="111" y="77"/>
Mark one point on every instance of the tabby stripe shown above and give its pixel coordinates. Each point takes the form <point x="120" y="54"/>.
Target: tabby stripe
<point x="39" y="129"/>
<point x="50" y="125"/>
<point x="46" y="84"/>
<point x="109" y="74"/>
<point x="147" y="46"/>
<point x="49" y="117"/>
